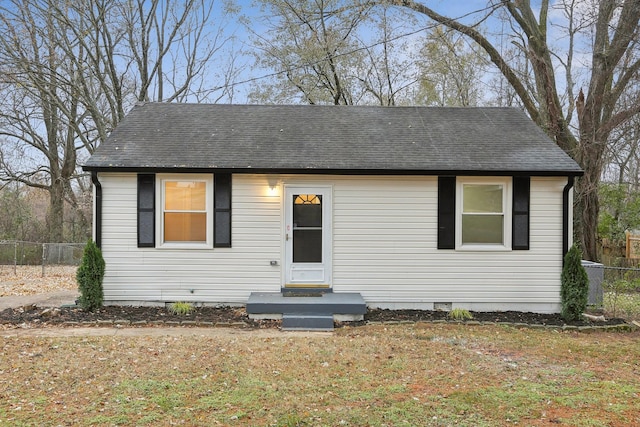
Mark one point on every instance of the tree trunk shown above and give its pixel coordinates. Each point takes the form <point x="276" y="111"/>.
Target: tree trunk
<point x="590" y="156"/>
<point x="55" y="216"/>
<point x="586" y="212"/>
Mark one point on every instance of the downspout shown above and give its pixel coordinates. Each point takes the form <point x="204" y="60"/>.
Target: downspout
<point x="98" y="208"/>
<point x="566" y="203"/>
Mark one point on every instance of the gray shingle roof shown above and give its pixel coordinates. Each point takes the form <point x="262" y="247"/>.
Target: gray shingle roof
<point x="327" y="139"/>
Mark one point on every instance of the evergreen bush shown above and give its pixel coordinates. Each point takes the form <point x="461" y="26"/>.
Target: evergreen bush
<point x="574" y="291"/>
<point x="89" y="277"/>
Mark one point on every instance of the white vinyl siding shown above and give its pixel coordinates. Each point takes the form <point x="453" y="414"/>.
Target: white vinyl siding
<point x="218" y="275"/>
<point x="384" y="246"/>
<point x="390" y="254"/>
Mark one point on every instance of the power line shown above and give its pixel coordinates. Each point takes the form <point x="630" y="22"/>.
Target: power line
<point x="300" y="65"/>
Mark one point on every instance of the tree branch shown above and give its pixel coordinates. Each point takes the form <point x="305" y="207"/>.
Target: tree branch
<point x="494" y="55"/>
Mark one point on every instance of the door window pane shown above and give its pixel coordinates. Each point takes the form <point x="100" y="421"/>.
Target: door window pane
<point x="307" y="245"/>
<point x="307" y="210"/>
<point x="307" y="215"/>
<point x="307" y="228"/>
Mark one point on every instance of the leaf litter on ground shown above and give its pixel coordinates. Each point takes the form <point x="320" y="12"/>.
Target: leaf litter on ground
<point x="29" y="279"/>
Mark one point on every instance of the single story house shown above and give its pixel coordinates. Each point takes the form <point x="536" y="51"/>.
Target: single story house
<point x="407" y="207"/>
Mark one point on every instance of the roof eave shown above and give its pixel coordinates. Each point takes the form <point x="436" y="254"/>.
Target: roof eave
<point x="333" y="171"/>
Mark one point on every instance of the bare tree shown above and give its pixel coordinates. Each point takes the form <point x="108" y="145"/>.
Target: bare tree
<point x="449" y="70"/>
<point x="39" y="108"/>
<point x="172" y="45"/>
<point x="614" y="63"/>
<point x="335" y="52"/>
<point x="388" y="73"/>
<point x="622" y="158"/>
<point x="619" y="193"/>
<point x="72" y="69"/>
<point x="312" y="47"/>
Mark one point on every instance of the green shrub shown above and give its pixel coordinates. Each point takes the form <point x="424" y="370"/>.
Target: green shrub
<point x="460" y="314"/>
<point x="574" y="291"/>
<point x="181" y="308"/>
<point x="89" y="277"/>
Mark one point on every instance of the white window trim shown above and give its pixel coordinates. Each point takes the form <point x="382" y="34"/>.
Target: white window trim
<point x="506" y="182"/>
<point x="160" y="181"/>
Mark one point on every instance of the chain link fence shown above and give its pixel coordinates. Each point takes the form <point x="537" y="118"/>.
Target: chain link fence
<point x="620" y="268"/>
<point x="18" y="253"/>
<point x="621" y="285"/>
<point x="615" y="286"/>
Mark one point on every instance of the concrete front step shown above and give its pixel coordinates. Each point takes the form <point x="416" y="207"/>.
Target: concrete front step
<point x="315" y="312"/>
<point x="307" y="322"/>
<point x="335" y="303"/>
<point x="304" y="292"/>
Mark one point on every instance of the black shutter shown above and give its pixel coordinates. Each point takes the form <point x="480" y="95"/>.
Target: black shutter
<point x="222" y="210"/>
<point x="520" y="232"/>
<point x="446" y="212"/>
<point x="146" y="210"/>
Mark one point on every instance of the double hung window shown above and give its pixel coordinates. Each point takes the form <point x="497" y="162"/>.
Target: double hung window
<point x="184" y="211"/>
<point x="483" y="213"/>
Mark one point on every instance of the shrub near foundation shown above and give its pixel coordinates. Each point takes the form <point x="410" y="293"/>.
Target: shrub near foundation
<point x="89" y="277"/>
<point x="460" y="314"/>
<point x="180" y="308"/>
<point x="574" y="292"/>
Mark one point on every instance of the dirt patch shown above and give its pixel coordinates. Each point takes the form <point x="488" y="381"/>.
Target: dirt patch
<point x="514" y="317"/>
<point x="132" y="316"/>
<point x="28" y="280"/>
<point x="235" y="316"/>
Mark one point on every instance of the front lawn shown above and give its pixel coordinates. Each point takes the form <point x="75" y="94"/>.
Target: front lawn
<point x="382" y="375"/>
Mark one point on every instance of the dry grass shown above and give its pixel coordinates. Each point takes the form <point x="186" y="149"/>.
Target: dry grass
<point x="422" y="374"/>
<point x="396" y="375"/>
<point x="28" y="279"/>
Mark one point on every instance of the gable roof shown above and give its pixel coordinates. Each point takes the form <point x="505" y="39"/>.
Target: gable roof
<point x="330" y="139"/>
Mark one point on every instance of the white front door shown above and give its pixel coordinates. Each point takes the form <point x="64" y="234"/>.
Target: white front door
<point x="308" y="236"/>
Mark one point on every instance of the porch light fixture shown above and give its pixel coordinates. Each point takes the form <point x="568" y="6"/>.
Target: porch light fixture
<point x="272" y="181"/>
